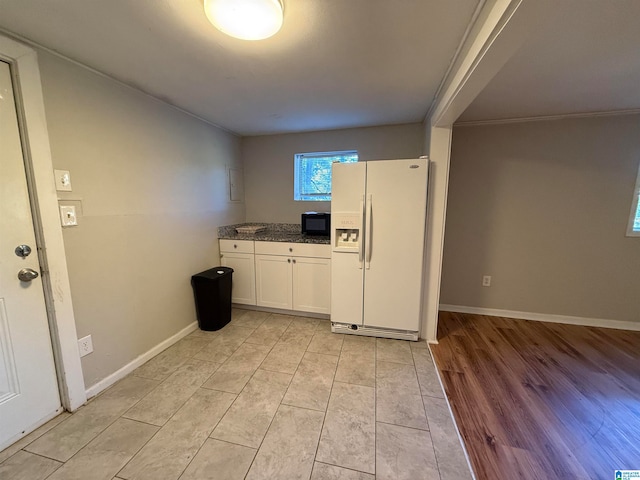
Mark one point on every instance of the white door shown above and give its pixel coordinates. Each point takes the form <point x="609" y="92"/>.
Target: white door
<point x="28" y="385"/>
<point x="396" y="211"/>
<point x="244" y="276"/>
<point x="312" y="284"/>
<point x="273" y="281"/>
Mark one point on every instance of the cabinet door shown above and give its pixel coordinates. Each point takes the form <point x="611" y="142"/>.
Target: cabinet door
<point x="273" y="281"/>
<point x="243" y="288"/>
<point x="312" y="284"/>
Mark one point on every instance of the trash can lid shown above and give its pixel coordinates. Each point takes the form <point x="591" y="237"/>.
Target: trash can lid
<point x="214" y="272"/>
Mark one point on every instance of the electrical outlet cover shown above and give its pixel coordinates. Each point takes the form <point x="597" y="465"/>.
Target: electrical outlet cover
<point x="85" y="345"/>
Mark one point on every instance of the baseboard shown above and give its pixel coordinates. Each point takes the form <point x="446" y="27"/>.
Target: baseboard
<point x="297" y="313"/>
<point x="545" y="317"/>
<point x="105" y="383"/>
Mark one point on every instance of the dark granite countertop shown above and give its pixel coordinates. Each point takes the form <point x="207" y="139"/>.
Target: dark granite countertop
<point x="275" y="232"/>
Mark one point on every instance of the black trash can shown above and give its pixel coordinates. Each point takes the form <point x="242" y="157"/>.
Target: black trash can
<point x="212" y="292"/>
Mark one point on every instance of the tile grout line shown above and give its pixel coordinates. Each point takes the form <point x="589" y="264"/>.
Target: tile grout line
<point x="39" y="455"/>
<point x="403" y="426"/>
<point x="375" y="408"/>
<point x="279" y="405"/>
<point x="326" y="411"/>
<point x="205" y="440"/>
<point x="161" y="382"/>
<point x="424" y="407"/>
<point x="346" y="468"/>
<point x="314" y="333"/>
<point x="225" y="412"/>
<point x="23" y="449"/>
<point x="172" y="415"/>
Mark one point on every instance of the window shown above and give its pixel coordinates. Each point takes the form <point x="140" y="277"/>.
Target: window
<point x="312" y="174"/>
<point x="634" y="218"/>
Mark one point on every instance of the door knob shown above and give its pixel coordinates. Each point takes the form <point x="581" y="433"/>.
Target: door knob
<point x="23" y="250"/>
<point x="27" y="274"/>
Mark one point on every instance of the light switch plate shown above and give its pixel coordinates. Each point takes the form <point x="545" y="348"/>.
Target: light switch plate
<point x="68" y="215"/>
<point x="63" y="180"/>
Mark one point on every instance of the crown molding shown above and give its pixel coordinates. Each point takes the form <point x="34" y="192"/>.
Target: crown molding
<point x="544" y="118"/>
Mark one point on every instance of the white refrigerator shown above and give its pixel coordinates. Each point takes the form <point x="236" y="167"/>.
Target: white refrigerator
<point x="378" y="213"/>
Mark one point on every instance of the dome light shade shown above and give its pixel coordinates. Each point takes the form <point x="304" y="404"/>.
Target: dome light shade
<point x="245" y="19"/>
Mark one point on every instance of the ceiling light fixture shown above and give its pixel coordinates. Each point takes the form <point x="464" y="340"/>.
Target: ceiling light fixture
<point x="245" y="19"/>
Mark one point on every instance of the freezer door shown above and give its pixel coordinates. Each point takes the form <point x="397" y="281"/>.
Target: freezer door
<point x="347" y="274"/>
<point x="347" y="186"/>
<point x="397" y="196"/>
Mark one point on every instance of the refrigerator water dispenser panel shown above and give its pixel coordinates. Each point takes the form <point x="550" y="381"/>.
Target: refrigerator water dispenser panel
<point x="347" y="232"/>
<point x="347" y="238"/>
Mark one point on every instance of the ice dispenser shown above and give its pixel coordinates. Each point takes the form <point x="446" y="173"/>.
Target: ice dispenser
<point x="347" y="230"/>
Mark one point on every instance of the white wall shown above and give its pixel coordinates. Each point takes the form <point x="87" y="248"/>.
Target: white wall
<point x="268" y="163"/>
<point x="543" y="208"/>
<point x="149" y="182"/>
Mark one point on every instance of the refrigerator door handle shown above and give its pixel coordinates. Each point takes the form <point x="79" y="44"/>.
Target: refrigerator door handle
<point x="368" y="232"/>
<point x="361" y="240"/>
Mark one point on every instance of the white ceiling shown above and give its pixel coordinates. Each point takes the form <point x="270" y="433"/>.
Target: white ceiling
<point x="340" y="63"/>
<point x="585" y="58"/>
<point x="334" y="64"/>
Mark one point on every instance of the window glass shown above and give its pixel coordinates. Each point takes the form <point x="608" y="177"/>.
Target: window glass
<point x="312" y="174"/>
<point x="634" y="218"/>
<point x="636" y="221"/>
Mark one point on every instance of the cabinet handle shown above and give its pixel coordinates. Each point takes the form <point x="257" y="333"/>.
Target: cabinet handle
<point x="294" y="260"/>
<point x="288" y="260"/>
<point x="235" y="246"/>
<point x="221" y="256"/>
<point x="290" y="249"/>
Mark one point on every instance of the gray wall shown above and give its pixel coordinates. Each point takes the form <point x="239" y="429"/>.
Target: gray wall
<point x="150" y="184"/>
<point x="543" y="208"/>
<point x="268" y="163"/>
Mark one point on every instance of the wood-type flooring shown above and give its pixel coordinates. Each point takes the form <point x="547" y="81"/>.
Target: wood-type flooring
<point x="538" y="400"/>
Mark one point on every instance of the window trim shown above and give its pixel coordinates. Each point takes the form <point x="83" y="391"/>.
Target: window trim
<point x="296" y="180"/>
<point x="634" y="208"/>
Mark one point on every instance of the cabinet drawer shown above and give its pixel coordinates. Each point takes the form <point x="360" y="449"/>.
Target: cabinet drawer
<point x="238" y="246"/>
<point x="293" y="249"/>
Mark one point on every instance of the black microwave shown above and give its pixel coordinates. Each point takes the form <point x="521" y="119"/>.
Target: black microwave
<point x="316" y="223"/>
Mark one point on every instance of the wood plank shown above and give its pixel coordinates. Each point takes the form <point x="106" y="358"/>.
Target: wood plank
<point x="541" y="400"/>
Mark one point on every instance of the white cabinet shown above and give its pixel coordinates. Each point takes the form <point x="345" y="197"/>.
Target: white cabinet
<point x="293" y="276"/>
<point x="273" y="281"/>
<point x="287" y="276"/>
<point x="312" y="284"/>
<point x="238" y="254"/>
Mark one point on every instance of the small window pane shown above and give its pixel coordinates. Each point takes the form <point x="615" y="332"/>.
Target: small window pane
<point x="313" y="174"/>
<point x="633" y="227"/>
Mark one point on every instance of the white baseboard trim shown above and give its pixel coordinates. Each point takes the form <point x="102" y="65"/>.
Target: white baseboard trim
<point x="105" y="383"/>
<point x="545" y="317"/>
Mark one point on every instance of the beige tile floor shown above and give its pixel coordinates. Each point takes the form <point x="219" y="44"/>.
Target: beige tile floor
<point x="267" y="397"/>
